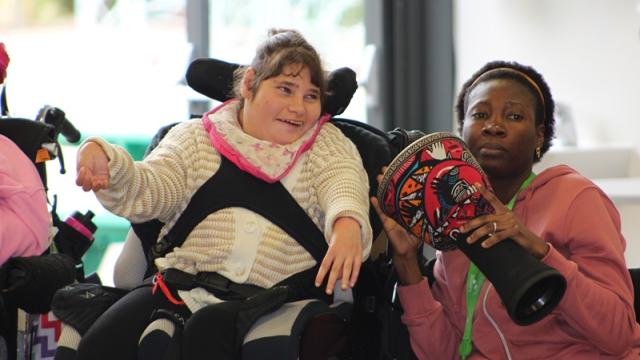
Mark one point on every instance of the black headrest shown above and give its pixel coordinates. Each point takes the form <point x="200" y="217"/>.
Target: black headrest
<point x="214" y="78"/>
<point x="30" y="136"/>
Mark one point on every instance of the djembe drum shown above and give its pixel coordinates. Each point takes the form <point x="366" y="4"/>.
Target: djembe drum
<point x="428" y="188"/>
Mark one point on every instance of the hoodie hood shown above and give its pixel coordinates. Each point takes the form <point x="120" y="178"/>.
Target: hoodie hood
<point x="571" y="184"/>
<point x="544" y="177"/>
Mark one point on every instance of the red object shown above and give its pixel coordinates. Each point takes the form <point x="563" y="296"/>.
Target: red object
<point x="429" y="189"/>
<point x="4" y="62"/>
<point x="158" y="282"/>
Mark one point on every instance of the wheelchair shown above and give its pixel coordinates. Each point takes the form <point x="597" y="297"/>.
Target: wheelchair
<point x="27" y="284"/>
<point x="345" y="328"/>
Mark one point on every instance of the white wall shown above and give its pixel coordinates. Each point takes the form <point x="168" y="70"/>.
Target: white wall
<point x="589" y="53"/>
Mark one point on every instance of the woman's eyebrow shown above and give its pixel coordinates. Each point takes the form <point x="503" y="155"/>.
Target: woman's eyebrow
<point x="479" y="103"/>
<point x="514" y="103"/>
<point x="313" y="89"/>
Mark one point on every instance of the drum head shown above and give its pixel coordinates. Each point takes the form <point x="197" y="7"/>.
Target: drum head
<point x="429" y="189"/>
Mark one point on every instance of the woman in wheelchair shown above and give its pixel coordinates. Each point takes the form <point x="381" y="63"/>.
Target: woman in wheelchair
<point x="24" y="229"/>
<point x="278" y="211"/>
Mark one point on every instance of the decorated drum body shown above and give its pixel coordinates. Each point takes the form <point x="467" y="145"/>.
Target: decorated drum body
<point x="429" y="189"/>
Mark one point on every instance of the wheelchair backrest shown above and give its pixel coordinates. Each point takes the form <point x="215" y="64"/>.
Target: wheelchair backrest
<point x="30" y="136"/>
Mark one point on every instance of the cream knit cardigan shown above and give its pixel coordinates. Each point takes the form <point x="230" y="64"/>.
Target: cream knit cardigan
<point x="330" y="183"/>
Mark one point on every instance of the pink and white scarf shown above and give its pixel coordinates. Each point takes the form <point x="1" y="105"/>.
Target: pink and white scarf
<point x="263" y="159"/>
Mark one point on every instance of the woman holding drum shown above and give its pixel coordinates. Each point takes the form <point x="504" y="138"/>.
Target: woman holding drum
<point x="506" y="116"/>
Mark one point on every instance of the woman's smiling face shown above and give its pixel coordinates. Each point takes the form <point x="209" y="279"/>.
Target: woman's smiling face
<point x="283" y="107"/>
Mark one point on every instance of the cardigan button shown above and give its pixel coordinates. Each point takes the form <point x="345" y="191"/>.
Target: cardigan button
<point x="250" y="227"/>
<point x="240" y="270"/>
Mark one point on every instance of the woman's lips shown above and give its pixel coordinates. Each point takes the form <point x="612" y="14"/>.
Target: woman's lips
<point x="291" y="122"/>
<point x="492" y="149"/>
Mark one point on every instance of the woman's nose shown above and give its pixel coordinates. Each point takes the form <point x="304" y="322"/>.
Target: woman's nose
<point x="296" y="105"/>
<point x="494" y="126"/>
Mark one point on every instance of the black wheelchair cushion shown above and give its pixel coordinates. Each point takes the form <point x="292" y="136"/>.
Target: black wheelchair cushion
<point x="31" y="281"/>
<point x="212" y="78"/>
<point x="79" y="305"/>
<point x="29" y="135"/>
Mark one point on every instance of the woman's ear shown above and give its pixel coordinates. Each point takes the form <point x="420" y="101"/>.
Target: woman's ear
<point x="540" y="135"/>
<point x="247" y="81"/>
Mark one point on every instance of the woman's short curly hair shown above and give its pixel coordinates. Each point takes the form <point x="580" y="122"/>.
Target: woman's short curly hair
<point x="525" y="75"/>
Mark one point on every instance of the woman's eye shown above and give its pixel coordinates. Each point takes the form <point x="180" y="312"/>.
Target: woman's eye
<point x="312" y="97"/>
<point x="479" y="115"/>
<point x="516" y="117"/>
<point x="284" y="89"/>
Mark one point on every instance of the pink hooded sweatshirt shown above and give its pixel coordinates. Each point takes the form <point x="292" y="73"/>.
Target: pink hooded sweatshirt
<point x="594" y="320"/>
<point x="24" y="216"/>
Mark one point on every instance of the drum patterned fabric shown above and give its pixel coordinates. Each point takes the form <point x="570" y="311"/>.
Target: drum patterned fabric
<point x="429" y="189"/>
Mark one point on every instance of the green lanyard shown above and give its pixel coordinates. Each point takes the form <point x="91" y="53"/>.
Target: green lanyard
<point x="475" y="280"/>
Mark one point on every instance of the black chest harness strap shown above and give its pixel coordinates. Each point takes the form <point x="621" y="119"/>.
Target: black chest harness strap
<point x="232" y="187"/>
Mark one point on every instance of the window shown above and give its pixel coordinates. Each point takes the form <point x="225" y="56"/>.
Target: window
<point x="115" y="69"/>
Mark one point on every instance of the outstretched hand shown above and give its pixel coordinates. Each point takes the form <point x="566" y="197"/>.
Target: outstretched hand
<point x="503" y="224"/>
<point x="92" y="166"/>
<point x="344" y="257"/>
